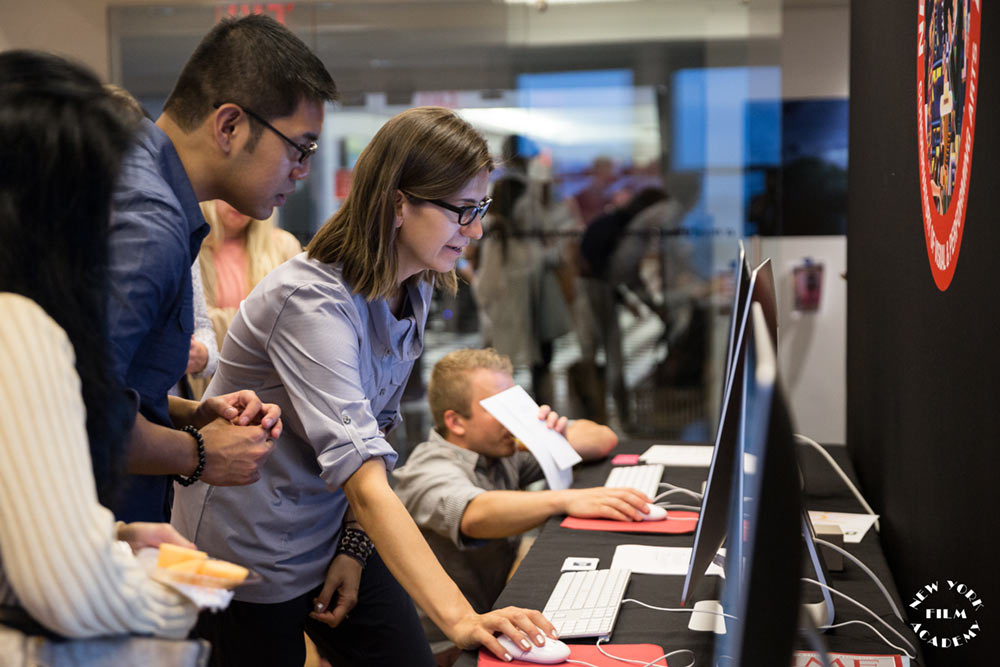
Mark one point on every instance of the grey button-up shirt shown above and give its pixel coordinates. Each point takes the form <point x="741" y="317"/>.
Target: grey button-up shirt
<point x="437" y="483"/>
<point x="337" y="366"/>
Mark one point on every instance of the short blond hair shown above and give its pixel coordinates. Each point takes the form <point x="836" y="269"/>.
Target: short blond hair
<point x="449" y="388"/>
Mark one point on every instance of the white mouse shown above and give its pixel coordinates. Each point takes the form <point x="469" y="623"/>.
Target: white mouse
<point x="553" y="652"/>
<point x="655" y="513"/>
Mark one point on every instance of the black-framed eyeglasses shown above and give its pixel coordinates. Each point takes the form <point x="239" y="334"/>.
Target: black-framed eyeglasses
<point x="466" y="214"/>
<point x="305" y="150"/>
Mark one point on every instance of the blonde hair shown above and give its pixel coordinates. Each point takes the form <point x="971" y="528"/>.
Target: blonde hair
<point x="263" y="254"/>
<point x="449" y="388"/>
<point x="425" y="152"/>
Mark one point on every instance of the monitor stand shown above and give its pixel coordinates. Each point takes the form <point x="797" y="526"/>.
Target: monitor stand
<point x="820" y="613"/>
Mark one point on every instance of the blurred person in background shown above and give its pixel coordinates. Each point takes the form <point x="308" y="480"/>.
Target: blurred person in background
<point x="517" y="282"/>
<point x="237" y="253"/>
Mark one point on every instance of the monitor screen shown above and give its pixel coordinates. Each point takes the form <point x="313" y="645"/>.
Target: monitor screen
<point x="764" y="552"/>
<point x="711" y="528"/>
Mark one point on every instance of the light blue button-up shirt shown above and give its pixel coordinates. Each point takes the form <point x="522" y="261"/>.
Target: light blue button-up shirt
<point x="337" y="366"/>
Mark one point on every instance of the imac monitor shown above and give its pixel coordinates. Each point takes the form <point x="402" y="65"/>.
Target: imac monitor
<point x="710" y="531"/>
<point x="764" y="552"/>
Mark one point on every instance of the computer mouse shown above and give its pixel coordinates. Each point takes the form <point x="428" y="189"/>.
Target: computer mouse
<point x="553" y="652"/>
<point x="655" y="513"/>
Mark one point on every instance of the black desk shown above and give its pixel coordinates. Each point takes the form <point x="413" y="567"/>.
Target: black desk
<point x="533" y="582"/>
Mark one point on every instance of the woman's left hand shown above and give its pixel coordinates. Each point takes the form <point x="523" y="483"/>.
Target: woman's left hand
<point x="140" y="535"/>
<point x="241" y="408"/>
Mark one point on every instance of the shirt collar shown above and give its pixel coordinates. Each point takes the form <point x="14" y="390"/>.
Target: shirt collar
<point x="405" y="334"/>
<point x="465" y="455"/>
<point x="154" y="140"/>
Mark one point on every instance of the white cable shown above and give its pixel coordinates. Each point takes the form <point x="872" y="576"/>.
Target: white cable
<point x="850" y="485"/>
<point x="689" y="610"/>
<point x="873" y="629"/>
<point x="696" y="496"/>
<point x="687" y="508"/>
<point x="674" y="487"/>
<point x="651" y="663"/>
<point x="857" y="561"/>
<point x="873" y="614"/>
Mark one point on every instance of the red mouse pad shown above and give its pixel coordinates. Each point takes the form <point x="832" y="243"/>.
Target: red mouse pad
<point x="589" y="653"/>
<point x="677" y="523"/>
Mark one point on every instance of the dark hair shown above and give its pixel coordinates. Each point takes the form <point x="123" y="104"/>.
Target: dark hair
<point x="426" y="152"/>
<point x="642" y="200"/>
<point x="253" y="61"/>
<point x="61" y="142"/>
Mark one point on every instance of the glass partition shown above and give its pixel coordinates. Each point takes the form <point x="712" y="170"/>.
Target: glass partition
<point x="643" y="131"/>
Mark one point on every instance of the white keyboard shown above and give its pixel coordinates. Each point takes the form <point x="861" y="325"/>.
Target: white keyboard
<point x="645" y="478"/>
<point x="585" y="604"/>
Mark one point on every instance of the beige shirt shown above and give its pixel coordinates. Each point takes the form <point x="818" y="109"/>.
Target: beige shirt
<point x="60" y="561"/>
<point x="437" y="483"/>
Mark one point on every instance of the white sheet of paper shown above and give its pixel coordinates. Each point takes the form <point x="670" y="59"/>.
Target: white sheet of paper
<point x="853" y="525"/>
<point x="657" y="560"/>
<point x="687" y="456"/>
<point x="518" y="412"/>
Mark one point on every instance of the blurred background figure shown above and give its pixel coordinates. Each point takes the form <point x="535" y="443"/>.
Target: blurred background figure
<point x="600" y="240"/>
<point x="594" y="199"/>
<point x="237" y="253"/>
<point x="523" y="303"/>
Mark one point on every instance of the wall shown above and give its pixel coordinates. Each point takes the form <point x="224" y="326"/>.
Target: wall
<point x="812" y="346"/>
<point x="922" y="364"/>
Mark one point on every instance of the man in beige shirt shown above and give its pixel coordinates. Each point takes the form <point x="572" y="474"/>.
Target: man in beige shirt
<point x="465" y="485"/>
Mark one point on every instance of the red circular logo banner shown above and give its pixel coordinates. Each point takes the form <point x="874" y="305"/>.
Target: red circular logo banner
<point x="947" y="82"/>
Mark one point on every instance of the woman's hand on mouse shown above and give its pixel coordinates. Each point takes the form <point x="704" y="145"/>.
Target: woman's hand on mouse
<point x="479" y="629"/>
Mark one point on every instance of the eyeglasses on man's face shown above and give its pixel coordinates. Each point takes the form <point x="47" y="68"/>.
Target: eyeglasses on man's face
<point x="466" y="214"/>
<point x="305" y="150"/>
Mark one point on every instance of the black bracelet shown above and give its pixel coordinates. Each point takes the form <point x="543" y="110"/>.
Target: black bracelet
<point x="356" y="544"/>
<point x="196" y="434"/>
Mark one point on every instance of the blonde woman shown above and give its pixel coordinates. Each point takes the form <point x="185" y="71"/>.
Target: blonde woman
<point x="237" y="253"/>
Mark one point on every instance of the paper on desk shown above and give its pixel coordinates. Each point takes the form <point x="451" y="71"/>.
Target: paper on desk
<point x="810" y="658"/>
<point x="688" y="456"/>
<point x="854" y="526"/>
<point x="657" y="560"/>
<point x="518" y="412"/>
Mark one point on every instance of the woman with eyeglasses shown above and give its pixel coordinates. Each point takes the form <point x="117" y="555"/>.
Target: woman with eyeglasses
<point x="331" y="336"/>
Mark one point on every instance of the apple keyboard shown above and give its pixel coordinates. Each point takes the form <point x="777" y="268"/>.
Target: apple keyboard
<point x="645" y="478"/>
<point x="585" y="604"/>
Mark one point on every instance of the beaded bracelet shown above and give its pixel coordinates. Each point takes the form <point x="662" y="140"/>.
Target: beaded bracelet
<point x="356" y="544"/>
<point x="196" y="434"/>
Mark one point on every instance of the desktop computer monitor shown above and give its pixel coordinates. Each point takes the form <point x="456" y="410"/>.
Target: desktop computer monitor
<point x="763" y="554"/>
<point x="741" y="288"/>
<point x="710" y="531"/>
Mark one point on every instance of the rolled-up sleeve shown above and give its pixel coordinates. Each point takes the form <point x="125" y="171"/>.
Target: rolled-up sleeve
<point x="315" y="348"/>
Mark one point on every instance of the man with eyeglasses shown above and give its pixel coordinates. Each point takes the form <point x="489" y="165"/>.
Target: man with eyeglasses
<point x="240" y="125"/>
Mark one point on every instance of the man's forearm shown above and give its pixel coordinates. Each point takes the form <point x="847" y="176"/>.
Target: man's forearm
<point x="496" y="514"/>
<point x="159" y="450"/>
<point x="590" y="439"/>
